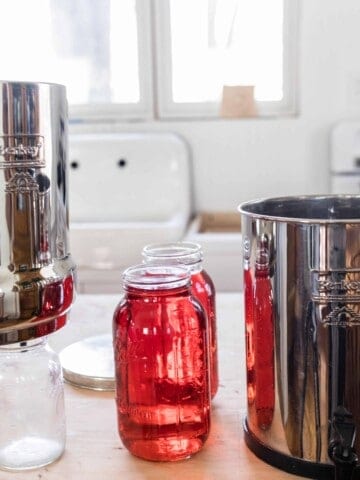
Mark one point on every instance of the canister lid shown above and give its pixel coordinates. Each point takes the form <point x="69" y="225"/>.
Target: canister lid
<point x="89" y="363"/>
<point x="31" y="108"/>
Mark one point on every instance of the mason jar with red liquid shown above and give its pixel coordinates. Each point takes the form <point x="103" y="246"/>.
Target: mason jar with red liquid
<point x="161" y="364"/>
<point x="202" y="288"/>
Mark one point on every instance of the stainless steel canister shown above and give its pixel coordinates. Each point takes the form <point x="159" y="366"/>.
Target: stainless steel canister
<point x="302" y="315"/>
<point x="36" y="269"/>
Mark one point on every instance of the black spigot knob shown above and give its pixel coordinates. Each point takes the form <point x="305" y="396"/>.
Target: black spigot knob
<point x="341" y="445"/>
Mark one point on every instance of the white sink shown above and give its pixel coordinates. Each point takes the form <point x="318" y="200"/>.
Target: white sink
<point x="126" y="190"/>
<point x="118" y="245"/>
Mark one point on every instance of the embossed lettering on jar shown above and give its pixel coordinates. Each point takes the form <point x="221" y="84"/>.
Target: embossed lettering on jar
<point x="161" y="364"/>
<point x="202" y="288"/>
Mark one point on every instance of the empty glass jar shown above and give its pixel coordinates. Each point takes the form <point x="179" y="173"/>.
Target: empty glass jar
<point x="32" y="432"/>
<point x="161" y="365"/>
<point x="202" y="288"/>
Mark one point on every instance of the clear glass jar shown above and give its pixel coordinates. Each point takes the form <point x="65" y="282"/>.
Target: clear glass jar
<point x="202" y="288"/>
<point x="161" y="365"/>
<point x="32" y="432"/>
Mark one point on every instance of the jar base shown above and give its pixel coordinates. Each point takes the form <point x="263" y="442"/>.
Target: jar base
<point x="165" y="449"/>
<point x="29" y="453"/>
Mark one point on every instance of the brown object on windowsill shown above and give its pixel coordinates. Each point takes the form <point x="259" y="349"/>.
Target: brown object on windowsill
<point x="238" y="102"/>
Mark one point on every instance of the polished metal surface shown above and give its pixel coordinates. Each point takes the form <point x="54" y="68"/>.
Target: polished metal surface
<point x="305" y="209"/>
<point x="314" y="258"/>
<point x="36" y="269"/>
<point x="89" y="363"/>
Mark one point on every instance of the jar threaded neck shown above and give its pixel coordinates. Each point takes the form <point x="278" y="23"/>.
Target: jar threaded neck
<point x="156" y="277"/>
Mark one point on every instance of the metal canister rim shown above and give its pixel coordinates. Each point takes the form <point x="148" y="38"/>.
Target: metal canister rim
<point x="305" y="209"/>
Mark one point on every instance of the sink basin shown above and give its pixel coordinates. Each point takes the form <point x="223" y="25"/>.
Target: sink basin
<point x="126" y="190"/>
<point x="118" y="245"/>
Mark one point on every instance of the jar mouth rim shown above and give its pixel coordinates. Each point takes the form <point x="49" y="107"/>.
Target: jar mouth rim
<point x="156" y="277"/>
<point x="186" y="253"/>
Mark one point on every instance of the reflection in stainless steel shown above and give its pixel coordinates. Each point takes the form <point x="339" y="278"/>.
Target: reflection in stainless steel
<point x="36" y="269"/>
<point x="314" y="245"/>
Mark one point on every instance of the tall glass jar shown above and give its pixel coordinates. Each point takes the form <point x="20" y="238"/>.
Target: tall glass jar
<point x="161" y="365"/>
<point x="32" y="432"/>
<point x="202" y="288"/>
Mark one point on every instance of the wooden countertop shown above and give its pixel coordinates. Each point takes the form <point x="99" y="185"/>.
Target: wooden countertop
<point x="93" y="448"/>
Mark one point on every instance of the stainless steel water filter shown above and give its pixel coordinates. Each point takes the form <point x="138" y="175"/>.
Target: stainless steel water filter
<point x="36" y="268"/>
<point x="310" y="247"/>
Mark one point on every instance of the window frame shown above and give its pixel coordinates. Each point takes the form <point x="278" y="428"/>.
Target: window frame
<point x="168" y="109"/>
<point x="142" y="110"/>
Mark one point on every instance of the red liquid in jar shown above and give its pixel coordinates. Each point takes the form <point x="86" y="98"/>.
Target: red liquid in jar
<point x="162" y="385"/>
<point x="249" y="332"/>
<point x="263" y="348"/>
<point x="203" y="290"/>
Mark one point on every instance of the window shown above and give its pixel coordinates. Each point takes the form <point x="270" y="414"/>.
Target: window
<point x="207" y="44"/>
<point x="141" y="59"/>
<point x="99" y="49"/>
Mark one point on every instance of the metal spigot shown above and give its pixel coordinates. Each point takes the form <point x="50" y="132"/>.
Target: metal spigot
<point x="341" y="446"/>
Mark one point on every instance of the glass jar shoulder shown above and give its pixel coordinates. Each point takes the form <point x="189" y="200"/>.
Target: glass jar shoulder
<point x="146" y="311"/>
<point x="202" y="281"/>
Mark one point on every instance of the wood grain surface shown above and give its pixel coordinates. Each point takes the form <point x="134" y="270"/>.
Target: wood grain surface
<point x="94" y="450"/>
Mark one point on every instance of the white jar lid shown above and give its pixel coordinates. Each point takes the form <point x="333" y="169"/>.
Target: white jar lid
<point x="89" y="363"/>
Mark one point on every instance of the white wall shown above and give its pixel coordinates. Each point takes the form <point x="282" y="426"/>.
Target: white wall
<point x="237" y="160"/>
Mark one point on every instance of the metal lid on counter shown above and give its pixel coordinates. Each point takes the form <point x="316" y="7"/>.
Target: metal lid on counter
<point x="89" y="363"/>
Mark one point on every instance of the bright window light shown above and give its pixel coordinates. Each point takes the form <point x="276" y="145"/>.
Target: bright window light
<point x="146" y="59"/>
<point x="88" y="45"/>
<point x="226" y="42"/>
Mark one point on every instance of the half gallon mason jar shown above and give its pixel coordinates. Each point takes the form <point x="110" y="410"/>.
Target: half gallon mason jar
<point x="202" y="288"/>
<point x="32" y="432"/>
<point x="161" y="365"/>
